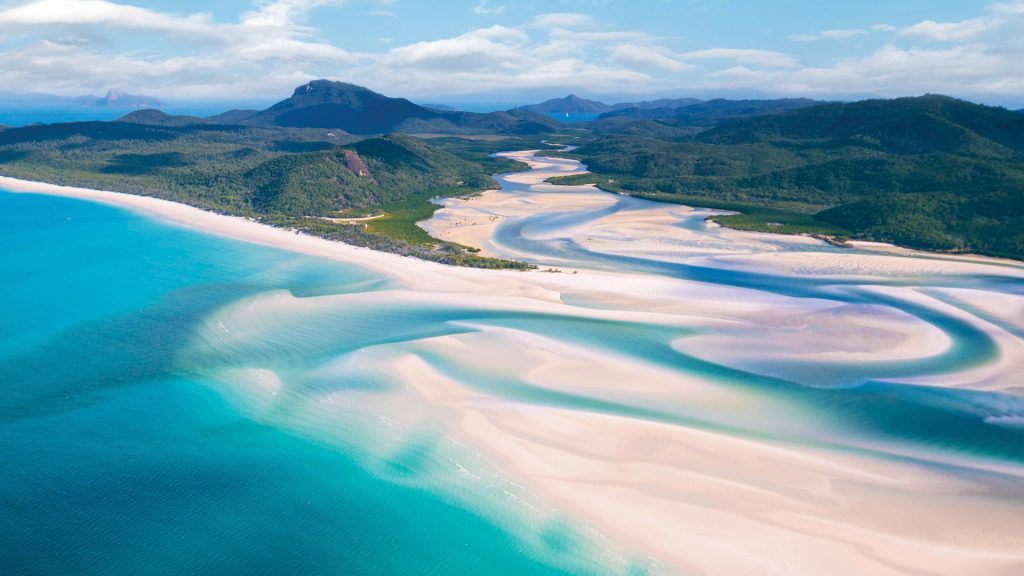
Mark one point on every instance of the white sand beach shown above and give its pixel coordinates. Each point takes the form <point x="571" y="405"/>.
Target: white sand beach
<point x="699" y="498"/>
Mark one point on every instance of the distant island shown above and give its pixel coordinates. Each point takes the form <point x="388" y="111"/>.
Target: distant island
<point x="117" y="99"/>
<point x="700" y="111"/>
<point x="113" y="98"/>
<point x="928" y="172"/>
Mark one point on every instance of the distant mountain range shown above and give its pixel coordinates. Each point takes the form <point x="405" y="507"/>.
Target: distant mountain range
<point x="685" y="111"/>
<point x="358" y="110"/>
<point x="711" y="112"/>
<point x="114" y="98"/>
<point x="930" y="172"/>
<point x="571" y="104"/>
<point x="25" y="98"/>
<point x="919" y="125"/>
<point x="662" y="103"/>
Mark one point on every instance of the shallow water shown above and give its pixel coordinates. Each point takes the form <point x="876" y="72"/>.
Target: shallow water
<point x="177" y="402"/>
<point x="122" y="456"/>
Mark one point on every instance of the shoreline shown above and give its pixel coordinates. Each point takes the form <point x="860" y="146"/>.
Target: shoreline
<point x="652" y="486"/>
<point x="476" y="233"/>
<point x="235" y="227"/>
<point x="850" y="243"/>
<point x="185" y="215"/>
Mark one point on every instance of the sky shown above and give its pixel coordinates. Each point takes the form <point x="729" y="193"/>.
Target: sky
<point x="517" y="50"/>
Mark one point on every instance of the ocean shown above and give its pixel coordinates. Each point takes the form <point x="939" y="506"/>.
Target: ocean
<point x="122" y="456"/>
<point x="25" y="114"/>
<point x="179" y="402"/>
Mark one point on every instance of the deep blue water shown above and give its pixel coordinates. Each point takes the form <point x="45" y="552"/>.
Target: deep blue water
<point x="23" y="114"/>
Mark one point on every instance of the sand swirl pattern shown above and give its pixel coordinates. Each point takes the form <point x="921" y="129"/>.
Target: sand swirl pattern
<point x="673" y="397"/>
<point x="682" y="387"/>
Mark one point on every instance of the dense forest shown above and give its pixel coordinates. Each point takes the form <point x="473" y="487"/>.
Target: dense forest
<point x="931" y="172"/>
<point x="358" y="110"/>
<point x="307" y="179"/>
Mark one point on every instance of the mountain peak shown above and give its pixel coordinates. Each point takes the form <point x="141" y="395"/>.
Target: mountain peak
<point x="358" y="110"/>
<point x="328" y="86"/>
<point x="331" y="104"/>
<point x="571" y="104"/>
<point x="118" y="98"/>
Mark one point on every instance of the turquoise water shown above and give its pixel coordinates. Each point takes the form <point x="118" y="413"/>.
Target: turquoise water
<point x="180" y="403"/>
<point x="118" y="457"/>
<point x="858" y="403"/>
<point x="25" y="114"/>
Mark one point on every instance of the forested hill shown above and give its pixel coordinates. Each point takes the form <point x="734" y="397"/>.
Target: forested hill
<point x="359" y="110"/>
<point x="367" y="174"/>
<point x="930" y="172"/>
<point x="925" y="124"/>
<point x="324" y="104"/>
<point x="571" y="104"/>
<point x="330" y="152"/>
<point x="310" y="179"/>
<point x="709" y="113"/>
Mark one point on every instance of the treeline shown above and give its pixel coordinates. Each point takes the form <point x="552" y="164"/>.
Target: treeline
<point x="292" y="177"/>
<point x="930" y="172"/>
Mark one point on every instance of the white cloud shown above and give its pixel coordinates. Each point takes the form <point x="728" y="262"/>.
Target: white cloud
<point x="890" y="70"/>
<point x="269" y="46"/>
<point x="952" y="31"/>
<point x="282" y="13"/>
<point x="980" y="58"/>
<point x="485" y="46"/>
<point x="648" y="57"/>
<point x="483" y="7"/>
<point x="562" y="20"/>
<point x="73" y="47"/>
<point x="78" y="12"/>
<point x="1013" y="8"/>
<point x="842" y="34"/>
<point x="744" y="56"/>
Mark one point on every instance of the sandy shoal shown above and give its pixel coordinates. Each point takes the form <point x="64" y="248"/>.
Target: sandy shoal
<point x="704" y="502"/>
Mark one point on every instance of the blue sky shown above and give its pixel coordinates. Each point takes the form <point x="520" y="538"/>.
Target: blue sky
<point x="517" y="50"/>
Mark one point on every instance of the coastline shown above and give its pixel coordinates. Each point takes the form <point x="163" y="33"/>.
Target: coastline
<point x="475" y="230"/>
<point x="851" y="243"/>
<point x="757" y="506"/>
<point x="236" y="227"/>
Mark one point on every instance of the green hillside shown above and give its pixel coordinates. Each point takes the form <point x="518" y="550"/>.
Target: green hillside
<point x="931" y="172"/>
<point x="358" y="110"/>
<point x="283" y="176"/>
